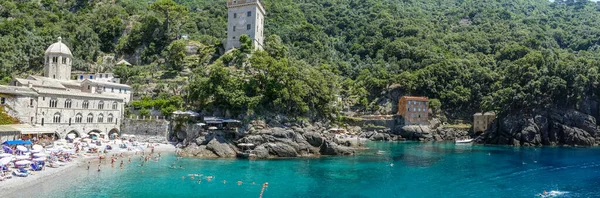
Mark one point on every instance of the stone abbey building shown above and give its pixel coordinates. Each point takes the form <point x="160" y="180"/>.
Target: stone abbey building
<point x="54" y="103"/>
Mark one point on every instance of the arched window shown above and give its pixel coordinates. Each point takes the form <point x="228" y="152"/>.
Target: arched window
<point x="56" y="118"/>
<point x="85" y="104"/>
<point x="53" y="103"/>
<point x="101" y="105"/>
<point x="115" y="105"/>
<point x="90" y="118"/>
<point x="78" y="118"/>
<point x="68" y="103"/>
<point x="110" y="118"/>
<point x="100" y="118"/>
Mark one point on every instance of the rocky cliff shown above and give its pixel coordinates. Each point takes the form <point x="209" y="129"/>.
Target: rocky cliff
<point x="268" y="143"/>
<point x="549" y="127"/>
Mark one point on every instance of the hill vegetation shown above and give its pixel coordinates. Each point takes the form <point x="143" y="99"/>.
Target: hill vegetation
<point x="502" y="55"/>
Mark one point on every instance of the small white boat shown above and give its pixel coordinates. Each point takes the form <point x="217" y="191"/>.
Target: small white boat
<point x="467" y="141"/>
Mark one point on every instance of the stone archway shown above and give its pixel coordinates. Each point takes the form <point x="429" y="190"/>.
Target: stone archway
<point x="94" y="132"/>
<point x="72" y="134"/>
<point x="113" y="133"/>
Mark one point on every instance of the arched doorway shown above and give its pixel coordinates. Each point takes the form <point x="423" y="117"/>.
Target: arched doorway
<point x="95" y="134"/>
<point x="72" y="135"/>
<point x="113" y="133"/>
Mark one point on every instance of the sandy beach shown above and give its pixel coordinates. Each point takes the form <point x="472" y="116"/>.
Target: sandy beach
<point x="12" y="187"/>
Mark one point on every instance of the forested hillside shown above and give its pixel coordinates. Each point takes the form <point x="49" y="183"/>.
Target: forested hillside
<point x="472" y="55"/>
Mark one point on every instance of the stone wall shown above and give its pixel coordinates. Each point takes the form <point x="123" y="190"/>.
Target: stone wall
<point x="145" y="127"/>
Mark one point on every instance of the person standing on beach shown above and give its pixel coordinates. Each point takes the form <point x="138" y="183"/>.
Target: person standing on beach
<point x="98" y="167"/>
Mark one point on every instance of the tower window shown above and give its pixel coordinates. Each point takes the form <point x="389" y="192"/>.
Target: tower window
<point x="90" y="118"/>
<point x="56" y="118"/>
<point x="248" y="27"/>
<point x="54" y="59"/>
<point x="234" y="28"/>
<point x="53" y="103"/>
<point x="234" y="15"/>
<point x="68" y="104"/>
<point x="64" y="60"/>
<point x="85" y="104"/>
<point x="249" y="13"/>
<point x="78" y="118"/>
<point x="101" y="105"/>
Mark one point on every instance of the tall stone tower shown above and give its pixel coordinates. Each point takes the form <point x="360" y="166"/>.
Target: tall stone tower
<point x="245" y="17"/>
<point x="57" y="61"/>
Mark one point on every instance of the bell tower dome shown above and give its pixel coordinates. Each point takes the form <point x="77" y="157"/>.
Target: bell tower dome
<point x="57" y="61"/>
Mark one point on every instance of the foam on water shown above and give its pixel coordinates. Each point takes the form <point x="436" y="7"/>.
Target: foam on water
<point x="420" y="170"/>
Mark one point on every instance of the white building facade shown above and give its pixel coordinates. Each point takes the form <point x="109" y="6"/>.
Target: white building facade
<point x="245" y="17"/>
<point x="70" y="108"/>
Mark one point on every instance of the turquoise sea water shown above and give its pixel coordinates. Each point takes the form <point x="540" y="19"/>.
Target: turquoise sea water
<point x="419" y="170"/>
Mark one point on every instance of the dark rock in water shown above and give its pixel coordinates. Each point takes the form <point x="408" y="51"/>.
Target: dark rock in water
<point x="220" y="147"/>
<point x="414" y="132"/>
<point x="261" y="152"/>
<point x="331" y="148"/>
<point x="314" y="139"/>
<point x="281" y="150"/>
<point x="380" y="137"/>
<point x="550" y="127"/>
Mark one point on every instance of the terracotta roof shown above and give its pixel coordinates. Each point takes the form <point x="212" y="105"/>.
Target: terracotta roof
<point x="417" y="98"/>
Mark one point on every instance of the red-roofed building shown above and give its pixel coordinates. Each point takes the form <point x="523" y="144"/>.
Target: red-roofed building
<point x="414" y="110"/>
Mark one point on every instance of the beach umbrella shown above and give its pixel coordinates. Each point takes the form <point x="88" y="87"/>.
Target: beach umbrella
<point x="22" y="162"/>
<point x="7" y="149"/>
<point x="21" y="148"/>
<point x="22" y="157"/>
<point x="39" y="155"/>
<point x="36" y="151"/>
<point x="124" y="135"/>
<point x="212" y="128"/>
<point x="3" y="155"/>
<point x="37" y="147"/>
<point x="39" y="159"/>
<point x="5" y="161"/>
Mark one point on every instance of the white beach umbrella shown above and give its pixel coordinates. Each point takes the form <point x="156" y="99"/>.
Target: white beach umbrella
<point x="21" y="148"/>
<point x="22" y="162"/>
<point x="22" y="157"/>
<point x="52" y="150"/>
<point x="5" y="161"/>
<point x="36" y="151"/>
<point x="37" y="147"/>
<point x="124" y="135"/>
<point x="39" y="159"/>
<point x="3" y="155"/>
<point x="39" y="155"/>
<point x="212" y="128"/>
<point x="71" y="136"/>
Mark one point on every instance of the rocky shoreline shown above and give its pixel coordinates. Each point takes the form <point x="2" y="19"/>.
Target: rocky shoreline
<point x="552" y="127"/>
<point x="296" y="141"/>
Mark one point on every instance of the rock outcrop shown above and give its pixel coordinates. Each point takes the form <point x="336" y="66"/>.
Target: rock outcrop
<point x="550" y="127"/>
<point x="268" y="143"/>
